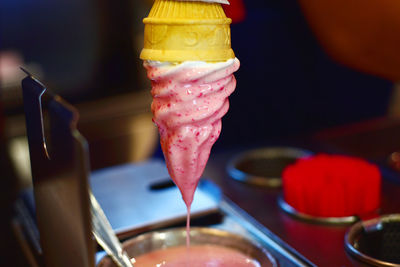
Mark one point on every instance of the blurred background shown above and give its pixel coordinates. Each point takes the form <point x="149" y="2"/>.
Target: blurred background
<point x="88" y="52"/>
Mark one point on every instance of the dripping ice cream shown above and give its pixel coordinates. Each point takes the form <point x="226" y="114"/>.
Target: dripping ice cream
<point x="188" y="57"/>
<point x="189" y="100"/>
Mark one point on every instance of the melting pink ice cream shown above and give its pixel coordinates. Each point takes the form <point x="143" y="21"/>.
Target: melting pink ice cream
<point x="196" y="256"/>
<point x="189" y="100"/>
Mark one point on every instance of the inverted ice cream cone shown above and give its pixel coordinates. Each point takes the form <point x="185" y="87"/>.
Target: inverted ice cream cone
<point x="188" y="56"/>
<point x="178" y="31"/>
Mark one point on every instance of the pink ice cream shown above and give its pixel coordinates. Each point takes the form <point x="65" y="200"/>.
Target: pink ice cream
<point x="189" y="100"/>
<point x="196" y="256"/>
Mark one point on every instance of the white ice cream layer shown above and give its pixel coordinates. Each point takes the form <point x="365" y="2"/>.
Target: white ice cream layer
<point x="170" y="67"/>
<point x="226" y="2"/>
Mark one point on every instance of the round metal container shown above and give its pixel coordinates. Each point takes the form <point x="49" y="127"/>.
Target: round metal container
<point x="376" y="241"/>
<point x="264" y="167"/>
<point x="313" y="219"/>
<point x="155" y="240"/>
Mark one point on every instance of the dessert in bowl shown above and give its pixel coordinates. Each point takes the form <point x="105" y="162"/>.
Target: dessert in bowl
<point x="208" y="247"/>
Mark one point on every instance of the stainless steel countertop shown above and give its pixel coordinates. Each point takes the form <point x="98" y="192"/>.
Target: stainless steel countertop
<point x="322" y="245"/>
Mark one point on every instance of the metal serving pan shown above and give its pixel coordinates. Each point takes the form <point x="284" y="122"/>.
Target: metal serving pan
<point x="376" y="241"/>
<point x="173" y="237"/>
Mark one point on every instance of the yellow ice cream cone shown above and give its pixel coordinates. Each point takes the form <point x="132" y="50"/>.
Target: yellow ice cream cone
<point x="177" y="31"/>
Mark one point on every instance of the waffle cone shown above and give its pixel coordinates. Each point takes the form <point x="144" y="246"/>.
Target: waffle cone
<point x="178" y="31"/>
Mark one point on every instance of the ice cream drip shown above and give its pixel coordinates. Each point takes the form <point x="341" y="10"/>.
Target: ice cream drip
<point x="189" y="100"/>
<point x="189" y="60"/>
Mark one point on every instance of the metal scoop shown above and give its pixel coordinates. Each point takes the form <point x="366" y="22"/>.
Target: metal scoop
<point x="67" y="212"/>
<point x="105" y="235"/>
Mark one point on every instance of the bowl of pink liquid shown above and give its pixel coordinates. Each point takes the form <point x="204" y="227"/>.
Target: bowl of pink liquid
<point x="208" y="247"/>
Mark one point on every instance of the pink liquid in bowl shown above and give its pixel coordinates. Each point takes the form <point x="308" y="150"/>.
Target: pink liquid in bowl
<point x="210" y="248"/>
<point x="195" y="256"/>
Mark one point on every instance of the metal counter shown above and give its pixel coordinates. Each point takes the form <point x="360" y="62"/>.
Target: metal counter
<point x="322" y="245"/>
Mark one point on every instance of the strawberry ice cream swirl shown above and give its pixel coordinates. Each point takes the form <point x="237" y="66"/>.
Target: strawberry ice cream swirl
<point x="192" y="93"/>
<point x="189" y="100"/>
